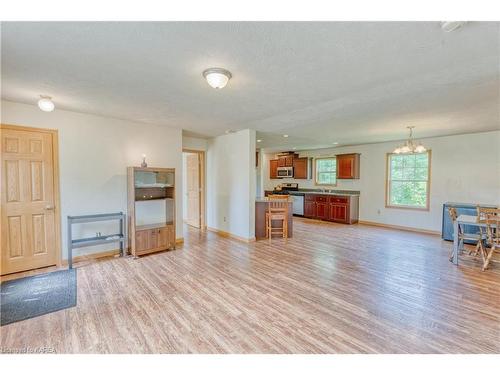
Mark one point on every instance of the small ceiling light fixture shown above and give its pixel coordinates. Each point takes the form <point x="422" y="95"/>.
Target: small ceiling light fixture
<point x="230" y="131"/>
<point x="217" y="77"/>
<point x="410" y="147"/>
<point x="335" y="143"/>
<point x="449" y="26"/>
<point x="46" y="104"/>
<point x="259" y="140"/>
<point x="285" y="135"/>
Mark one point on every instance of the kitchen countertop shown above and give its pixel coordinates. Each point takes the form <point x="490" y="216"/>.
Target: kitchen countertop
<point x="327" y="193"/>
<point x="334" y="192"/>
<point x="265" y="200"/>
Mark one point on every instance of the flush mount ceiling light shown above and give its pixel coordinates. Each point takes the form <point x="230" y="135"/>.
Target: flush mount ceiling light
<point x="410" y="147"/>
<point x="217" y="77"/>
<point x="285" y="135"/>
<point x="46" y="104"/>
<point x="335" y="143"/>
<point x="450" y="26"/>
<point x="259" y="140"/>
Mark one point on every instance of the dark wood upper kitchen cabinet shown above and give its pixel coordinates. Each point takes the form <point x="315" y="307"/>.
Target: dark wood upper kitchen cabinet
<point x="273" y="169"/>
<point x="348" y="166"/>
<point x="289" y="160"/>
<point x="300" y="168"/>
<point x="285" y="161"/>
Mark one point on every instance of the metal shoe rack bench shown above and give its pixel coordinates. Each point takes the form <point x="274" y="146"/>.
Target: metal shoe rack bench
<point x="98" y="240"/>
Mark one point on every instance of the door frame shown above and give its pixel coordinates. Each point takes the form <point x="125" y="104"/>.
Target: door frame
<point x="55" y="183"/>
<point x="201" y="156"/>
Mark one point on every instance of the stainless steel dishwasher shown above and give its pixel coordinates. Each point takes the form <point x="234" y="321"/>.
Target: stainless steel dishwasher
<point x="298" y="204"/>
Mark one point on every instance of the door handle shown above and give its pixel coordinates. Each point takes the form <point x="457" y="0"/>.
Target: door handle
<point x="49" y="207"/>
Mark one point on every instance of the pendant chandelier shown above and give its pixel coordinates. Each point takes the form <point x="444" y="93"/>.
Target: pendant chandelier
<point x="410" y="147"/>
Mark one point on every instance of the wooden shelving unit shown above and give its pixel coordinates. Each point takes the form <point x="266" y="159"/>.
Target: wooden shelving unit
<point x="151" y="185"/>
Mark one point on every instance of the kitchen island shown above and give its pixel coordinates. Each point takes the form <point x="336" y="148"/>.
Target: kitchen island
<point x="261" y="205"/>
<point x="340" y="206"/>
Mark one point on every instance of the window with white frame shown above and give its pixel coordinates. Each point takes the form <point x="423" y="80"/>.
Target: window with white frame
<point x="408" y="180"/>
<point x="326" y="171"/>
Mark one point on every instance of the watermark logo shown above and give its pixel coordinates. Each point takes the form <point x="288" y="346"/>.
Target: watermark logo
<point x="28" y="350"/>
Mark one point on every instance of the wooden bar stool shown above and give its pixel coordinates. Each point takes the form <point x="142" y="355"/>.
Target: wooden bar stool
<point x="277" y="210"/>
<point x="493" y="235"/>
<point x="482" y="212"/>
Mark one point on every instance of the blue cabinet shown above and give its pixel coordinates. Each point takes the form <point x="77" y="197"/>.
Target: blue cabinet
<point x="462" y="209"/>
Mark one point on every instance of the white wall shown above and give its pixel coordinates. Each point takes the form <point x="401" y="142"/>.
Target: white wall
<point x="259" y="183"/>
<point x="94" y="153"/>
<point x="464" y="168"/>
<point x="184" y="186"/>
<point x="192" y="143"/>
<point x="231" y="183"/>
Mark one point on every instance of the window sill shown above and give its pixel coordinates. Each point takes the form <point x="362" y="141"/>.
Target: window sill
<point x="412" y="208"/>
<point x="325" y="185"/>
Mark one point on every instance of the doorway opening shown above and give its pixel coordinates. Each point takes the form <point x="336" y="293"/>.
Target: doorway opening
<point x="193" y="188"/>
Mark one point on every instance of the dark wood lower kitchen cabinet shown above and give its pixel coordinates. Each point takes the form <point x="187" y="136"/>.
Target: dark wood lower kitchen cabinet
<point x="309" y="206"/>
<point x="338" y="212"/>
<point x="341" y="209"/>
<point x="322" y="210"/>
<point x="322" y="207"/>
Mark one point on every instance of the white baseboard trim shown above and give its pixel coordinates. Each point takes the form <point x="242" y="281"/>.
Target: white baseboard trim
<point x="230" y="235"/>
<point x="399" y="227"/>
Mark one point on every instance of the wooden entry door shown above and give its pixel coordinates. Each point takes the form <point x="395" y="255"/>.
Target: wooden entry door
<point x="193" y="214"/>
<point x="30" y="231"/>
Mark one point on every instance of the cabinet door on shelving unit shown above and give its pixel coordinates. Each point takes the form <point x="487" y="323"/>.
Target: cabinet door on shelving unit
<point x="153" y="238"/>
<point x="142" y="240"/>
<point x="163" y="237"/>
<point x="171" y="236"/>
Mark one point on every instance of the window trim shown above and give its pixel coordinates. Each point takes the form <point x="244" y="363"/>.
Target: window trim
<point x="316" y="174"/>
<point x="387" y="186"/>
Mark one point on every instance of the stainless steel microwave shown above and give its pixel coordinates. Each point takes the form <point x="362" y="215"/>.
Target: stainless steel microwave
<point x="284" y="172"/>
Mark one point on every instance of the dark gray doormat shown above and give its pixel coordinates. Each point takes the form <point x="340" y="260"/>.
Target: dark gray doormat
<point x="37" y="295"/>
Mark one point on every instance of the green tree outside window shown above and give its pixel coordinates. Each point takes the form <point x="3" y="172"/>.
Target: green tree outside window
<point x="408" y="180"/>
<point x="326" y="171"/>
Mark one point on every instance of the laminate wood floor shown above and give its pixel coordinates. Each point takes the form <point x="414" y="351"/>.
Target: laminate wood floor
<point x="333" y="288"/>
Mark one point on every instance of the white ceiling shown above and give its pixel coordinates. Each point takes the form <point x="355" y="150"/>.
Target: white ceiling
<point x="319" y="82"/>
